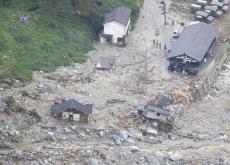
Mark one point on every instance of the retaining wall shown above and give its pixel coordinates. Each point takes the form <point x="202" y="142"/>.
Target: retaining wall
<point x="207" y="82"/>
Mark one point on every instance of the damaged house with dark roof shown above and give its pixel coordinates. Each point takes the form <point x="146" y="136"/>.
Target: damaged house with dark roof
<point x="72" y="110"/>
<point x="192" y="48"/>
<point x="160" y="109"/>
<point x="117" y="26"/>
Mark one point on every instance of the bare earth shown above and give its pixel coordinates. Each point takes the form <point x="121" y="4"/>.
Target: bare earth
<point x="115" y="135"/>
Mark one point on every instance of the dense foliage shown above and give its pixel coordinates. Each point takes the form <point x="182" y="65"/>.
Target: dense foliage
<point x="55" y="32"/>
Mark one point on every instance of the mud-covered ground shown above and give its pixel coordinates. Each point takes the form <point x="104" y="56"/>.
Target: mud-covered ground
<point x="115" y="134"/>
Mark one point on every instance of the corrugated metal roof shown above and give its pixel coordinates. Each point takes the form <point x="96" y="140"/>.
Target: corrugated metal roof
<point x="72" y="104"/>
<point x="120" y="14"/>
<point x="194" y="41"/>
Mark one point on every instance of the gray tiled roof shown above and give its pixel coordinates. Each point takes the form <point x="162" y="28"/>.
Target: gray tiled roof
<point x="72" y="104"/>
<point x="105" y="63"/>
<point x="194" y="41"/>
<point x="120" y="14"/>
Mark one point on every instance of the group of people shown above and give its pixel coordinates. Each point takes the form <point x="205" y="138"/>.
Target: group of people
<point x="158" y="44"/>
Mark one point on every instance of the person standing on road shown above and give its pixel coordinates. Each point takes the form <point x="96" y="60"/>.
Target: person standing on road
<point x="172" y="22"/>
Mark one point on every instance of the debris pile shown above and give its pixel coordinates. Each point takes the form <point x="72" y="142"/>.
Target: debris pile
<point x="223" y="80"/>
<point x="180" y="95"/>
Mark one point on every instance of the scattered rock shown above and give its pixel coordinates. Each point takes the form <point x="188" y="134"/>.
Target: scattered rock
<point x="134" y="149"/>
<point x="170" y="136"/>
<point x="50" y="133"/>
<point x="151" y="131"/>
<point x="154" y="124"/>
<point x="13" y="133"/>
<point x="87" y="130"/>
<point x="130" y="140"/>
<point x="92" y="161"/>
<point x="175" y="157"/>
<point x="67" y="130"/>
<point x="115" y="101"/>
<point x="223" y="137"/>
<point x="49" y="126"/>
<point x="82" y="134"/>
<point x="152" y="160"/>
<point x="126" y="136"/>
<point x="117" y="139"/>
<point x="101" y="133"/>
<point x="33" y="163"/>
<point x="2" y="108"/>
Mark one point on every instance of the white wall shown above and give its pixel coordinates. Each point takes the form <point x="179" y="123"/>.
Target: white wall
<point x="116" y="29"/>
<point x="65" y="115"/>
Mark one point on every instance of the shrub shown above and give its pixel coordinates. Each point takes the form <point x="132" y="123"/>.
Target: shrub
<point x="13" y="106"/>
<point x="23" y="39"/>
<point x="2" y="44"/>
<point x="35" y="115"/>
<point x="20" y="109"/>
<point x="33" y="7"/>
<point x="10" y="102"/>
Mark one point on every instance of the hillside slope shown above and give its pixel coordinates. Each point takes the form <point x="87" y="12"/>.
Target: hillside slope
<point x="54" y="35"/>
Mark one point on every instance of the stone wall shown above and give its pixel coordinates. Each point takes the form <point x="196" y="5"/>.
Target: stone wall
<point x="205" y="84"/>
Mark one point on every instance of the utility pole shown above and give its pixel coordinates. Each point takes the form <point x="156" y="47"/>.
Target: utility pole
<point x="146" y="64"/>
<point x="164" y="12"/>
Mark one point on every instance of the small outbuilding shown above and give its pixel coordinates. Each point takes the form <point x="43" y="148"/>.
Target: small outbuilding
<point x="192" y="48"/>
<point x="72" y="110"/>
<point x="105" y="63"/>
<point x="117" y="26"/>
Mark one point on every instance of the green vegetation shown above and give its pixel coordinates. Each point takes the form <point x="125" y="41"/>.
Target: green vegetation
<point x="10" y="102"/>
<point x="53" y="36"/>
<point x="35" y="115"/>
<point x="13" y="106"/>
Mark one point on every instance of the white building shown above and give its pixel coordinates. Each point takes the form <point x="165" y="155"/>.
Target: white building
<point x="116" y="26"/>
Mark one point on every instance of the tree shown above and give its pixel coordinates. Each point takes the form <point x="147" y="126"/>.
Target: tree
<point x="74" y="3"/>
<point x="83" y="6"/>
<point x="6" y="3"/>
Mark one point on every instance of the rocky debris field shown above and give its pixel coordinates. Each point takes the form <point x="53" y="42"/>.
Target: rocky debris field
<point x="115" y="133"/>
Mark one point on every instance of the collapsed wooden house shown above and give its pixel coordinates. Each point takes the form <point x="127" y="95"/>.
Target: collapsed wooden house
<point x="72" y="110"/>
<point x="159" y="109"/>
<point x="192" y="48"/>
